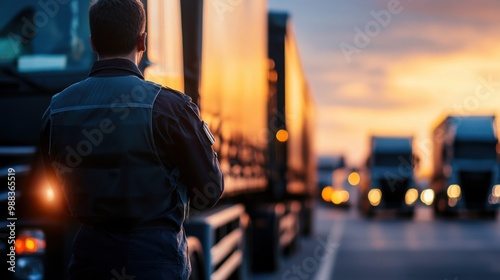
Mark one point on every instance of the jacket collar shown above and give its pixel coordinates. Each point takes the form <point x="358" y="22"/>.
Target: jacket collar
<point x="114" y="67"/>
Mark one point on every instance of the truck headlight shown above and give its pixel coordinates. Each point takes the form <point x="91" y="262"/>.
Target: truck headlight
<point x="411" y="196"/>
<point x="496" y="191"/>
<point x="375" y="196"/>
<point x="494" y="197"/>
<point x="427" y="196"/>
<point x="326" y="193"/>
<point x="340" y="196"/>
<point x="454" y="191"/>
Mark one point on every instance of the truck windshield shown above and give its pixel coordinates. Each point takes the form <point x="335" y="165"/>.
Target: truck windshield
<point x="394" y="160"/>
<point x="475" y="150"/>
<point x="41" y="36"/>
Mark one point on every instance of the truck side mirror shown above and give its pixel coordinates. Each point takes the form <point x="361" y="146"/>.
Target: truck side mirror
<point x="416" y="161"/>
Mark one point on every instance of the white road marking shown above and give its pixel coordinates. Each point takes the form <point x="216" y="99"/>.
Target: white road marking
<point x="327" y="267"/>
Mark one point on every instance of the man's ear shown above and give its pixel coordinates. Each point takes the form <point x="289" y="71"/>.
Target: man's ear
<point x="92" y="43"/>
<point x="141" y="42"/>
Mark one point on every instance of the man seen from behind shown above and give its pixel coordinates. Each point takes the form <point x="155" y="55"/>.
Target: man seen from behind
<point x="128" y="155"/>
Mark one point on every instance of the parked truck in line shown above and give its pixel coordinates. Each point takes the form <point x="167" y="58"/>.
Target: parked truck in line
<point x="326" y="166"/>
<point x="337" y="183"/>
<point x="387" y="180"/>
<point x="466" y="172"/>
<point x="236" y="60"/>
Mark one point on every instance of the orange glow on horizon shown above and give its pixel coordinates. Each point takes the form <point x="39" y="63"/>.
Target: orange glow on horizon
<point x="427" y="87"/>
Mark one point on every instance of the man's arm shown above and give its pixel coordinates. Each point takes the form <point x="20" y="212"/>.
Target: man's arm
<point x="189" y="142"/>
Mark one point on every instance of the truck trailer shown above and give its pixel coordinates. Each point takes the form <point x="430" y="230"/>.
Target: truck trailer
<point x="236" y="60"/>
<point x="387" y="180"/>
<point x="466" y="168"/>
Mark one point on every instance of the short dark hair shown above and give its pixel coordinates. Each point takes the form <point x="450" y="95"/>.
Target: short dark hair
<point x="115" y="25"/>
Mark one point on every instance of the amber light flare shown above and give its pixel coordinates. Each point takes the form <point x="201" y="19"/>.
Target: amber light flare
<point x="354" y="178"/>
<point x="30" y="242"/>
<point x="427" y="196"/>
<point x="375" y="196"/>
<point x="411" y="196"/>
<point x="282" y="135"/>
<point x="453" y="191"/>
<point x="49" y="192"/>
<point x="29" y="245"/>
<point x="326" y="193"/>
<point x="340" y="196"/>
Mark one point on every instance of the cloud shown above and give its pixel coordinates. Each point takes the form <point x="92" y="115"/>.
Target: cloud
<point x="482" y="11"/>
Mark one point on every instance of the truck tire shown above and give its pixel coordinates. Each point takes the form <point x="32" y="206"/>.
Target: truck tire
<point x="489" y="214"/>
<point x="265" y="238"/>
<point x="407" y="214"/>
<point x="441" y="208"/>
<point x="365" y="207"/>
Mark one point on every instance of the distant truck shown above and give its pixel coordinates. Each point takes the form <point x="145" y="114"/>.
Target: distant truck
<point x="326" y="166"/>
<point x="343" y="190"/>
<point x="334" y="187"/>
<point x="466" y="166"/>
<point x="388" y="177"/>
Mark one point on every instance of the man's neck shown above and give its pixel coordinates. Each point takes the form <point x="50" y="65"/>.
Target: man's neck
<point x="132" y="57"/>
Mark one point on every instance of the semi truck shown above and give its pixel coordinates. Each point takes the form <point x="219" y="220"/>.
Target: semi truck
<point x="387" y="181"/>
<point x="326" y="166"/>
<point x="336" y="181"/>
<point x="466" y="169"/>
<point x="235" y="59"/>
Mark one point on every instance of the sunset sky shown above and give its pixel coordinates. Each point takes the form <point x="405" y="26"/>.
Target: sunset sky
<point x="391" y="67"/>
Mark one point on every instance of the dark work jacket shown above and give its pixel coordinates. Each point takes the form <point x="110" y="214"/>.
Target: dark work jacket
<point x="128" y="153"/>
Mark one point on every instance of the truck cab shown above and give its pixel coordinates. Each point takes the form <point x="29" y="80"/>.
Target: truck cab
<point x="388" y="177"/>
<point x="44" y="47"/>
<point x="466" y="167"/>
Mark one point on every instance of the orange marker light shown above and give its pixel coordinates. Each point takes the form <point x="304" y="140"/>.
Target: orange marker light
<point x="20" y="248"/>
<point x="354" y="178"/>
<point x="282" y="135"/>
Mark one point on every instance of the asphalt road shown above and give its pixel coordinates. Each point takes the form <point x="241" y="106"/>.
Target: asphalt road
<point x="348" y="246"/>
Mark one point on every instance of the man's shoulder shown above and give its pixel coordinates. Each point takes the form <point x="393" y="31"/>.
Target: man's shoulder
<point x="67" y="90"/>
<point x="169" y="99"/>
<point x="174" y="95"/>
<point x="170" y="95"/>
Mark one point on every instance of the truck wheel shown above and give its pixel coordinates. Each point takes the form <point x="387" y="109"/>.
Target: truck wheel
<point x="441" y="206"/>
<point x="368" y="212"/>
<point x="407" y="214"/>
<point x="489" y="214"/>
<point x="265" y="238"/>
<point x="366" y="209"/>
